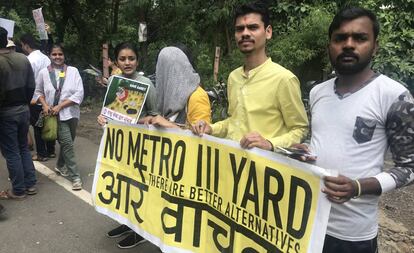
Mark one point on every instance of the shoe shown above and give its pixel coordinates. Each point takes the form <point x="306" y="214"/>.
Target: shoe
<point x="31" y="190"/>
<point x="131" y="241"/>
<point x="53" y="155"/>
<point x="119" y="231"/>
<point x="77" y="185"/>
<point x="8" y="194"/>
<point x="39" y="158"/>
<point x="62" y="171"/>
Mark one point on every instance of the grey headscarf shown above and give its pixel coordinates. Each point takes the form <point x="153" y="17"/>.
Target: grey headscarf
<point x="176" y="80"/>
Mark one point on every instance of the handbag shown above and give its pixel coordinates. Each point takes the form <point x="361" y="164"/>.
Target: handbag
<point x="50" y="128"/>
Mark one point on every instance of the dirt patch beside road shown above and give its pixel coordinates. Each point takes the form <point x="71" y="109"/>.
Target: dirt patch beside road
<point x="88" y="125"/>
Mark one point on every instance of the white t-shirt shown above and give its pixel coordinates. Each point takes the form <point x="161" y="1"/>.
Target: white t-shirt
<point x="38" y="61"/>
<point x="72" y="89"/>
<point x="350" y="135"/>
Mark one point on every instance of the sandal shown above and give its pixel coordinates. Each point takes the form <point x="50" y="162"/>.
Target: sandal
<point x="8" y="194"/>
<point x="39" y="158"/>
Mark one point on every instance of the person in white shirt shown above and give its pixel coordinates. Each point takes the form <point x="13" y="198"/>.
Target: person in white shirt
<point x="356" y="117"/>
<point x="59" y="88"/>
<point x="38" y="60"/>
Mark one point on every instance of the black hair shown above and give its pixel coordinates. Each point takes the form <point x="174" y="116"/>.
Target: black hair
<point x="259" y="7"/>
<point x="57" y="45"/>
<point x="187" y="51"/>
<point x="125" y="45"/>
<point x="30" y="40"/>
<point x="351" y="13"/>
<point x="3" y="37"/>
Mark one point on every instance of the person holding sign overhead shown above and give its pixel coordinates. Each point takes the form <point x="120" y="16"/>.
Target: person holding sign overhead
<point x="59" y="89"/>
<point x="126" y="58"/>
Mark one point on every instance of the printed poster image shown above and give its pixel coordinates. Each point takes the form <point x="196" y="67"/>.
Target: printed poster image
<point x="124" y="99"/>
<point x="40" y="23"/>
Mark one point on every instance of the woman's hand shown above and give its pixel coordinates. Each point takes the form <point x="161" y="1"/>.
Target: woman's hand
<point x="160" y="121"/>
<point x="46" y="109"/>
<point x="55" y="109"/>
<point x="145" y="120"/>
<point x="102" y="120"/>
<point x="102" y="81"/>
<point x="201" y="127"/>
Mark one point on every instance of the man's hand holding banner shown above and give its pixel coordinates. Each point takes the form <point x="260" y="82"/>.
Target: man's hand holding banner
<point x="190" y="194"/>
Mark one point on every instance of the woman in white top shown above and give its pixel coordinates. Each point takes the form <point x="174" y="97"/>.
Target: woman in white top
<point x="60" y="91"/>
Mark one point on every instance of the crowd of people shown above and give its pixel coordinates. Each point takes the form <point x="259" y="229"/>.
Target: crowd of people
<point x="356" y="116"/>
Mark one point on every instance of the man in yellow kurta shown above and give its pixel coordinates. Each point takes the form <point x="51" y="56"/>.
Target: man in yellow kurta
<point x="265" y="107"/>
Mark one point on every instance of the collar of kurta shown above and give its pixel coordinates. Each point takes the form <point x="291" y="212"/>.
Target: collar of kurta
<point x="253" y="72"/>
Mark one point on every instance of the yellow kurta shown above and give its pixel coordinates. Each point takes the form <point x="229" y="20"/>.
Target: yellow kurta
<point x="267" y="101"/>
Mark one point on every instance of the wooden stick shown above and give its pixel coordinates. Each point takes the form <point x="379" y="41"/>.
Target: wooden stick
<point x="216" y="64"/>
<point x="105" y="60"/>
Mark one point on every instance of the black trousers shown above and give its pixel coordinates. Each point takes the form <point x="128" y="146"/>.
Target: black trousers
<point x="334" y="245"/>
<point x="43" y="148"/>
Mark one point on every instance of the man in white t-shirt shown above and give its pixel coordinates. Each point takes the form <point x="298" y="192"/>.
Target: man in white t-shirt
<point x="39" y="61"/>
<point x="355" y="118"/>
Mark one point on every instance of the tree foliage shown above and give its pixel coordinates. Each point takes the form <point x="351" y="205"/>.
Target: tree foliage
<point x="299" y="37"/>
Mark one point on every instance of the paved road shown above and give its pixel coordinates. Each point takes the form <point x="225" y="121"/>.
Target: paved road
<point x="55" y="220"/>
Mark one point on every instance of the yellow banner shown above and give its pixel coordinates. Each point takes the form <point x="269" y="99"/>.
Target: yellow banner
<point x="190" y="194"/>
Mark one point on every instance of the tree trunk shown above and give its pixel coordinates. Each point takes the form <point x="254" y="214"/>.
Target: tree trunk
<point x="115" y="10"/>
<point x="143" y="46"/>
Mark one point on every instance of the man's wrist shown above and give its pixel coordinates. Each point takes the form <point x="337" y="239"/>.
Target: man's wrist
<point x="272" y="148"/>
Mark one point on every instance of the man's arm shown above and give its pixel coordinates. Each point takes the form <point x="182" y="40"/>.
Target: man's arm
<point x="30" y="83"/>
<point x="293" y="112"/>
<point x="400" y="133"/>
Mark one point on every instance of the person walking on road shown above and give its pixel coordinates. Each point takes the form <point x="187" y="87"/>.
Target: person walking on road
<point x="17" y="85"/>
<point x="60" y="91"/>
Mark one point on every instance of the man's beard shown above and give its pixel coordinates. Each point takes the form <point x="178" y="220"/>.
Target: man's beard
<point x="350" y="68"/>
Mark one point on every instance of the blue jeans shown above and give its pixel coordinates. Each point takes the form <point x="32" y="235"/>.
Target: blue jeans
<point x="13" y="145"/>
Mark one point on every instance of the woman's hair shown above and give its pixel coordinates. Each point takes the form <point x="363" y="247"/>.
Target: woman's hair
<point x="57" y="45"/>
<point x="125" y="45"/>
<point x="187" y="51"/>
